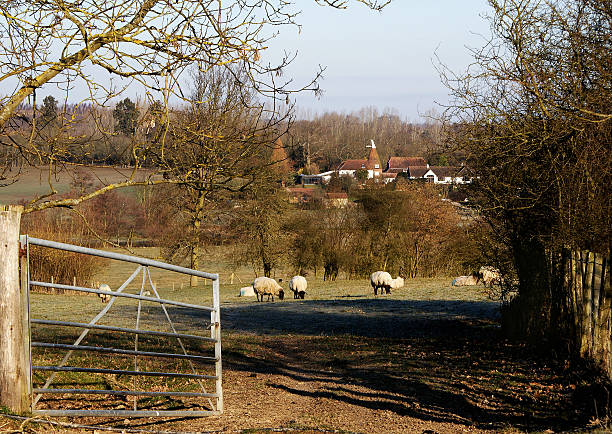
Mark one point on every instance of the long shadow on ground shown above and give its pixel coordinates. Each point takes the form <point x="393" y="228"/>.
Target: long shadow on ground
<point x="438" y="360"/>
<point x="368" y="318"/>
<point x="442" y="361"/>
<point x="470" y="377"/>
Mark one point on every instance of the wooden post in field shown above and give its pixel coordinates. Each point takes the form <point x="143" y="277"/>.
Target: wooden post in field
<point x="14" y="335"/>
<point x="25" y="318"/>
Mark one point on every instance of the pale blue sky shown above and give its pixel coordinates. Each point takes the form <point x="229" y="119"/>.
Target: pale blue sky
<point x="382" y="59"/>
<point x="372" y="59"/>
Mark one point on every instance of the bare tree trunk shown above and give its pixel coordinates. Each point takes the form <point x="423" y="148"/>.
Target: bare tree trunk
<point x="195" y="238"/>
<point x="267" y="268"/>
<point x="193" y="264"/>
<point x="605" y="317"/>
<point x="530" y="312"/>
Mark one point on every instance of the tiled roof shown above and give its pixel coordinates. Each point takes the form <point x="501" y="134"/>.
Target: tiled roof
<point x="373" y="160"/>
<point x="297" y="191"/>
<point x="352" y="165"/>
<point x="406" y="162"/>
<point x="418" y="171"/>
<point x="444" y="171"/>
<point x="396" y="170"/>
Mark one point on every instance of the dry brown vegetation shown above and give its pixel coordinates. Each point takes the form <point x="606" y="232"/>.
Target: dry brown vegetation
<point x="533" y="115"/>
<point x="62" y="267"/>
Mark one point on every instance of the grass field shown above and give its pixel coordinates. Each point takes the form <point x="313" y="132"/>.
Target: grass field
<point x="427" y="358"/>
<point x="428" y="292"/>
<point x="33" y="182"/>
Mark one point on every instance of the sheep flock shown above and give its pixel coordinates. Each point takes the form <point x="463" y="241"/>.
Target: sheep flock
<point x="487" y="274"/>
<point x="265" y="286"/>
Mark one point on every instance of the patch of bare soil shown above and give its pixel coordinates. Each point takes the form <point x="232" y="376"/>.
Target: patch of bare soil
<point x="379" y="366"/>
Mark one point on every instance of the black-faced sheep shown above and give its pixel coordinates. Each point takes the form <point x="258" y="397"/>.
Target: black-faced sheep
<point x="298" y="285"/>
<point x="489" y="275"/>
<point x="383" y="281"/>
<point x="104" y="297"/>
<point x="267" y="286"/>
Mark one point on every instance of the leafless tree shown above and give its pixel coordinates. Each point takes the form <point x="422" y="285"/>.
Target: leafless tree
<point x="258" y="224"/>
<point x="326" y="140"/>
<point x="219" y="143"/>
<point x="533" y="116"/>
<point x="102" y="48"/>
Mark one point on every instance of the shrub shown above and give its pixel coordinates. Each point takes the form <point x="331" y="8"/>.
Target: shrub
<point x="64" y="267"/>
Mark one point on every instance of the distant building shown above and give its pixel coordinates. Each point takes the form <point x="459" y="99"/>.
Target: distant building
<point x="417" y="168"/>
<point x="402" y="164"/>
<point x="440" y="174"/>
<point x="409" y="167"/>
<point x="397" y="165"/>
<point x="300" y="194"/>
<point x="371" y="164"/>
<point x="319" y="178"/>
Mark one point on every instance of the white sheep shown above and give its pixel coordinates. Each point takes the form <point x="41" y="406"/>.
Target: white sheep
<point x="247" y="291"/>
<point x="104" y="297"/>
<point x="298" y="285"/>
<point x="267" y="286"/>
<point x="489" y="275"/>
<point x="397" y="283"/>
<point x="383" y="280"/>
<point x="465" y="281"/>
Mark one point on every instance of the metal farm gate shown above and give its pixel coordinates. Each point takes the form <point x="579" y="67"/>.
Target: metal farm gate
<point x="194" y="361"/>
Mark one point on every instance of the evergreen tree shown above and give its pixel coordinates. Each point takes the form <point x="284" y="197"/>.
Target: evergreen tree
<point x="126" y="115"/>
<point x="49" y="110"/>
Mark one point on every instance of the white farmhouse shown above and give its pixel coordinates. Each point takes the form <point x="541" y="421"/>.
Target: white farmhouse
<point x="372" y="165"/>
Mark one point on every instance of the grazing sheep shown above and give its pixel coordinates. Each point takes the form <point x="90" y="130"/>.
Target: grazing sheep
<point x="104" y="297"/>
<point x="298" y="285"/>
<point x="246" y="291"/>
<point x="489" y="275"/>
<point x="383" y="280"/>
<point x="465" y="281"/>
<point x="267" y="286"/>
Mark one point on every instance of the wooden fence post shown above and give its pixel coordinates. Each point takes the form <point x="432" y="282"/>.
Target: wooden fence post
<point x="14" y="336"/>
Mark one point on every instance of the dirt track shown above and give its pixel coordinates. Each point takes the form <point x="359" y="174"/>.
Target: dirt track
<point x="364" y="364"/>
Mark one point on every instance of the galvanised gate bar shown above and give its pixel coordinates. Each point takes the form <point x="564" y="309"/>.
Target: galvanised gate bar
<point x="214" y="399"/>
